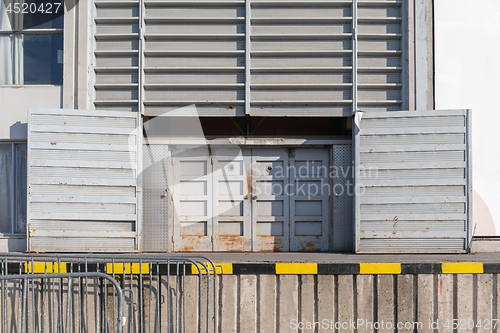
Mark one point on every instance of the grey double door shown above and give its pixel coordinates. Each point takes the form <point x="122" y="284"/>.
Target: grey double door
<point x="251" y="199"/>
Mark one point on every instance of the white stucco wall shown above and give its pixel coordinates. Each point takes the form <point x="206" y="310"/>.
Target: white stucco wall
<point x="14" y="105"/>
<point x="467" y="71"/>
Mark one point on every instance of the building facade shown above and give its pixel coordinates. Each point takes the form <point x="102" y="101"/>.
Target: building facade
<point x="234" y="126"/>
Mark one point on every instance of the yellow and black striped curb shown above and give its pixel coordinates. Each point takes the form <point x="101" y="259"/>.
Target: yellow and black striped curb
<point x="260" y="268"/>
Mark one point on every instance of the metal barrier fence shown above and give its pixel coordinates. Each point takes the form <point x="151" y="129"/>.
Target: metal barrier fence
<point x="85" y="293"/>
<point x="39" y="311"/>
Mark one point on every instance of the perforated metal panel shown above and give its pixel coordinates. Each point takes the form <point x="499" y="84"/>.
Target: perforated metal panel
<point x="343" y="226"/>
<point x="264" y="58"/>
<point x="82" y="194"/>
<point x="413" y="185"/>
<point x="156" y="199"/>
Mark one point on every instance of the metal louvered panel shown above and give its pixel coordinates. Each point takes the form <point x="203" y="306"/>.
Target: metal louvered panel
<point x="263" y="58"/>
<point x="412" y="245"/>
<point x="116" y="55"/>
<point x="300" y="58"/>
<point x="194" y="53"/>
<point x="381" y="48"/>
<point x="82" y="195"/>
<point x="416" y="197"/>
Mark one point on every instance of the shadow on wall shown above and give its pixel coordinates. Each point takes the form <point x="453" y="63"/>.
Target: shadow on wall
<point x="19" y="131"/>
<point x="13" y="244"/>
<point x="481" y="217"/>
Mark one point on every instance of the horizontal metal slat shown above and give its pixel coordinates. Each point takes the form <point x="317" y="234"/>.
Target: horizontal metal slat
<point x="82" y="173"/>
<point x="384" y="36"/>
<point x="192" y="69"/>
<point x="306" y="85"/>
<point x="115" y="103"/>
<point x="304" y="36"/>
<point x="409" y="122"/>
<point x="76" y="129"/>
<point x="122" y="3"/>
<point x="83" y="191"/>
<point x="116" y="36"/>
<point x="394" y="69"/>
<point x="298" y="110"/>
<point x="388" y="53"/>
<point x="374" y="167"/>
<point x="380" y="102"/>
<point x="86" y="216"/>
<point x="415" y="217"/>
<point x="412" y="245"/>
<point x="388" y="86"/>
<point x="198" y="3"/>
<point x="62" y="244"/>
<point x="116" y="53"/>
<point x="131" y="70"/>
<point x="91" y="113"/>
<point x="115" y="20"/>
<point x="413" y="208"/>
<point x="73" y="146"/>
<point x="82" y="233"/>
<point x="79" y="225"/>
<point x="302" y="53"/>
<point x="415" y="114"/>
<point x="414" y="182"/>
<point x="189" y="102"/>
<point x="413" y="130"/>
<point x="115" y="86"/>
<point x="410" y="174"/>
<point x="412" y="139"/>
<point x="413" y="157"/>
<point x="346" y="69"/>
<point x="416" y="199"/>
<point x="429" y="147"/>
<point x="411" y="226"/>
<point x="198" y="36"/>
<point x="79" y="181"/>
<point x="192" y="86"/>
<point x="83" y="121"/>
<point x="81" y="164"/>
<point x="194" y="19"/>
<point x="412" y="234"/>
<point x="381" y="192"/>
<point x="194" y="53"/>
<point x="287" y="3"/>
<point x="301" y="20"/>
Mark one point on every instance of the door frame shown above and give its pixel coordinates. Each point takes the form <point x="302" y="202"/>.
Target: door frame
<point x="248" y="143"/>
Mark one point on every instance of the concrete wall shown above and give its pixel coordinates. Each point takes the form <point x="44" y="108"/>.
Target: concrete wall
<point x="281" y="303"/>
<point x="15" y="102"/>
<point x="466" y="76"/>
<point x="265" y="303"/>
<point x="264" y="297"/>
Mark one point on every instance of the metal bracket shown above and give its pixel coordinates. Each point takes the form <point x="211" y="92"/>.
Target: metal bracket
<point x="356" y="111"/>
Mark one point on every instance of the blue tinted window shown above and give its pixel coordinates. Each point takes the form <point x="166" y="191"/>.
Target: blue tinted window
<point x="43" y="58"/>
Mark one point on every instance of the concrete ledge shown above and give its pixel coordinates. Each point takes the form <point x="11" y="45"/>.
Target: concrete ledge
<point x="270" y="268"/>
<point x="485" y="245"/>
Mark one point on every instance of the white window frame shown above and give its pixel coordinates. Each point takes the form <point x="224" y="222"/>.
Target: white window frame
<point x="48" y="31"/>
<point x="14" y="189"/>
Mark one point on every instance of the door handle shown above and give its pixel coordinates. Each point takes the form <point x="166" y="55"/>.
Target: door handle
<point x="254" y="197"/>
